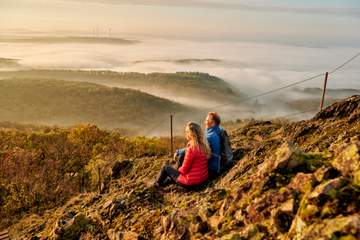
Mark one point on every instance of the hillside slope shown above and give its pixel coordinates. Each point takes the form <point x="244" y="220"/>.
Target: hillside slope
<point x="68" y="103"/>
<point x="291" y="181"/>
<point x="178" y="85"/>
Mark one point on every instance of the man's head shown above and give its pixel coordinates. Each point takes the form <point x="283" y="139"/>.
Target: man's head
<point x="212" y="119"/>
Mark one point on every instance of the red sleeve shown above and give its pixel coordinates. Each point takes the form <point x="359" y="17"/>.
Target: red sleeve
<point x="188" y="160"/>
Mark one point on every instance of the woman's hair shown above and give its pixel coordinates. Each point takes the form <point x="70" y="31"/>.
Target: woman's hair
<point x="196" y="134"/>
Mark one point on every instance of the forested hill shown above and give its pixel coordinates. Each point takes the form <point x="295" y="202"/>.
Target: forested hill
<point x="202" y="86"/>
<point x="67" y="103"/>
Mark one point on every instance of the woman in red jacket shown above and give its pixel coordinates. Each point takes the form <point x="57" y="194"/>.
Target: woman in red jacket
<point x="194" y="168"/>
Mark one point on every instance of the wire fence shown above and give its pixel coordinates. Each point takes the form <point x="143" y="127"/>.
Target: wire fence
<point x="269" y="92"/>
<point x="266" y="93"/>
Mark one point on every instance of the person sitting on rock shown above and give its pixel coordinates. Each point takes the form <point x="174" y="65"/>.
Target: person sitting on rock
<point x="221" y="153"/>
<point x="193" y="170"/>
<point x="221" y="157"/>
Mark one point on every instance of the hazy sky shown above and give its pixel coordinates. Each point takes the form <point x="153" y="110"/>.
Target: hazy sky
<point x="262" y="44"/>
<point x="286" y="21"/>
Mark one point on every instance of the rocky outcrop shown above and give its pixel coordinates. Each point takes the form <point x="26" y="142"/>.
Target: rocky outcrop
<point x="348" y="108"/>
<point x="293" y="181"/>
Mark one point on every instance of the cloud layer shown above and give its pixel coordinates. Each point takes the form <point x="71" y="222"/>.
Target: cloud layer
<point x="254" y="5"/>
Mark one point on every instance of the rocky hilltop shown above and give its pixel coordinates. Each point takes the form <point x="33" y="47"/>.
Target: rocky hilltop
<point x="291" y="180"/>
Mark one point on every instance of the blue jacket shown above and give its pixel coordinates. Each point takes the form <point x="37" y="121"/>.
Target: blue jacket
<point x="212" y="135"/>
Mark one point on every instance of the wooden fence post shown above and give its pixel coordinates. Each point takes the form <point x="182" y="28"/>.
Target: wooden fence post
<point x="324" y="91"/>
<point x="99" y="183"/>
<point x="171" y="136"/>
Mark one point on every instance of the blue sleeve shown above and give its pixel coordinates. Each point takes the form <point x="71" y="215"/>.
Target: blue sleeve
<point x="214" y="142"/>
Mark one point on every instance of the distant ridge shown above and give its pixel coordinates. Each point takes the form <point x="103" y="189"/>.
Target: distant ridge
<point x="9" y="62"/>
<point x="43" y="101"/>
<point x="67" y="39"/>
<point x="180" y="84"/>
<point x="181" y="61"/>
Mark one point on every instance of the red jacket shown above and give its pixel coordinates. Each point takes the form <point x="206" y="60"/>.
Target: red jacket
<point x="194" y="169"/>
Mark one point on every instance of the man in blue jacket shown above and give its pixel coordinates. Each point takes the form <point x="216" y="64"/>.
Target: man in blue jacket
<point x="212" y="124"/>
<point x="213" y="132"/>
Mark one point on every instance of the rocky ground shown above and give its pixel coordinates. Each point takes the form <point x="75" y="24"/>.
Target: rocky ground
<point x="292" y="180"/>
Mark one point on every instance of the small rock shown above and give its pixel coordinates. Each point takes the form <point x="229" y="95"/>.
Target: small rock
<point x="357" y="178"/>
<point x="283" y="220"/>
<point x="288" y="157"/>
<point x="288" y="206"/>
<point x="328" y="189"/>
<point x="107" y="204"/>
<point x="205" y="213"/>
<point x="130" y="235"/>
<point x="302" y="182"/>
<point x="112" y="208"/>
<point x="297" y="226"/>
<point x="283" y="216"/>
<point x="308" y="211"/>
<point x="232" y="236"/>
<point x="113" y="234"/>
<point x="326" y="173"/>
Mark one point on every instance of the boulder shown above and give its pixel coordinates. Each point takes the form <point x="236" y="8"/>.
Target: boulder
<point x="289" y="159"/>
<point x="73" y="228"/>
<point x="336" y="228"/>
<point x="329" y="199"/>
<point x="348" y="162"/>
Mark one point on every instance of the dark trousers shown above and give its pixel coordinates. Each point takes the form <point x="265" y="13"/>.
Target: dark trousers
<point x="169" y="175"/>
<point x="167" y="172"/>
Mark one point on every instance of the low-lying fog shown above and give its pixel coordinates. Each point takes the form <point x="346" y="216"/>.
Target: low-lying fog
<point x="251" y="67"/>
